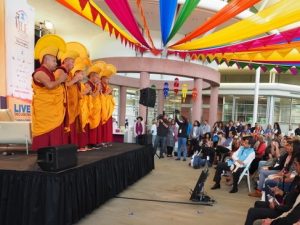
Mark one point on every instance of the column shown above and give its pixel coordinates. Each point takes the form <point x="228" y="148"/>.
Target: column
<point x="2" y="58"/>
<point x="197" y="105"/>
<point x="144" y="83"/>
<point x="160" y="101"/>
<point x="122" y="105"/>
<point x="271" y="110"/>
<point x="256" y="94"/>
<point x="233" y="108"/>
<point x="213" y="105"/>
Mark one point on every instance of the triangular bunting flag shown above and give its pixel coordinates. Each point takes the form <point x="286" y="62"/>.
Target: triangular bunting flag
<point x="284" y="52"/>
<point x="110" y="28"/>
<point x="117" y="33"/>
<point x="255" y="66"/>
<point x="278" y="69"/>
<point x="94" y="12"/>
<point x="294" y="70"/>
<point x="266" y="54"/>
<point x="83" y="3"/>
<point x="284" y="68"/>
<point x="231" y="63"/>
<point x="263" y="68"/>
<point x="269" y="67"/>
<point x="243" y="65"/>
<point x="103" y="21"/>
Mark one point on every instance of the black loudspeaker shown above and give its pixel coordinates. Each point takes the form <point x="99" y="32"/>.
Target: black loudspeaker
<point x="147" y="97"/>
<point x="57" y="158"/>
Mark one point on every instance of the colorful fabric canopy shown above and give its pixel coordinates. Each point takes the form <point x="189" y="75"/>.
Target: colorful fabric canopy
<point x="229" y="11"/>
<point x="278" y="15"/>
<point x="167" y="13"/>
<point x="243" y="43"/>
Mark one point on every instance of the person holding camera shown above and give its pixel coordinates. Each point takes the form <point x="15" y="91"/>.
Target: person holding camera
<point x="182" y="136"/>
<point x="162" y="131"/>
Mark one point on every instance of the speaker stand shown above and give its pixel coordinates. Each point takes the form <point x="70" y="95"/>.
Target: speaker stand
<point x="198" y="195"/>
<point x="146" y="131"/>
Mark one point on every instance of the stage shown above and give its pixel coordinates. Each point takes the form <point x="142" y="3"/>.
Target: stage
<point x="29" y="196"/>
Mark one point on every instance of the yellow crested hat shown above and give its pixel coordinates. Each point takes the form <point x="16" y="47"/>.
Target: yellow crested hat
<point x="69" y="54"/>
<point x="108" y="71"/>
<point x="78" y="47"/>
<point x="79" y="67"/>
<point x="83" y="60"/>
<point x="97" y="67"/>
<point x="49" y="44"/>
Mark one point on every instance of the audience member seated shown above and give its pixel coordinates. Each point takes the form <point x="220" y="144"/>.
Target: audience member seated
<point x="270" y="209"/>
<point x="194" y="137"/>
<point x="240" y="159"/>
<point x="283" y="161"/>
<point x="259" y="148"/>
<point x="225" y="148"/>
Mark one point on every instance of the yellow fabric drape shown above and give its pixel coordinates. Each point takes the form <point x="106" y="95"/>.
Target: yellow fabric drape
<point x="48" y="109"/>
<point x="278" y="15"/>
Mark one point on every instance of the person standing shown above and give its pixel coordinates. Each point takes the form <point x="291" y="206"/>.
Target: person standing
<point x="71" y="92"/>
<point x="171" y="137"/>
<point x="139" y="130"/>
<point x="153" y="131"/>
<point x="297" y="131"/>
<point x="48" y="109"/>
<point x="182" y="136"/>
<point x="162" y="131"/>
<point x="107" y="102"/>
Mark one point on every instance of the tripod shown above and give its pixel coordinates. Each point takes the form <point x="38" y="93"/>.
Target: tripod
<point x="198" y="195"/>
<point x="146" y="133"/>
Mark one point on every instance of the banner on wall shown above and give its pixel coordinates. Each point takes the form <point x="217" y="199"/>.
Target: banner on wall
<point x="19" y="38"/>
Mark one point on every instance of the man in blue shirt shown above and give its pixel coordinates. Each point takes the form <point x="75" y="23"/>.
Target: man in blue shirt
<point x="240" y="159"/>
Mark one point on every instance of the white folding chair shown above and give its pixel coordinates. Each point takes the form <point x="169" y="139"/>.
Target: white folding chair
<point x="246" y="173"/>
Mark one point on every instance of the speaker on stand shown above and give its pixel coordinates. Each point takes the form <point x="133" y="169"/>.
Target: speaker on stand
<point x="148" y="99"/>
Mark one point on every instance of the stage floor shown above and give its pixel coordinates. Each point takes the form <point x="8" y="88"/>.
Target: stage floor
<point x="31" y="196"/>
<point x="21" y="162"/>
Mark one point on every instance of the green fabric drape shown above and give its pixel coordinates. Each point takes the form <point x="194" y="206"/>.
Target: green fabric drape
<point x="184" y="13"/>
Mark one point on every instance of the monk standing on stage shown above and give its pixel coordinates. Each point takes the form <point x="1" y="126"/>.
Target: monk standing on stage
<point x="74" y="51"/>
<point x="48" y="109"/>
<point x="94" y="101"/>
<point x="108" y="104"/>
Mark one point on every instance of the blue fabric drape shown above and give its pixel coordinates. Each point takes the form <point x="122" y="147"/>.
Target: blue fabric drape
<point x="167" y="14"/>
